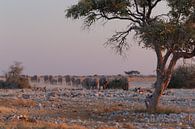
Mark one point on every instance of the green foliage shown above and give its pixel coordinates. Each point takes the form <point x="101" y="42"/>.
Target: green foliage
<point x="167" y="35"/>
<point x="183" y="77"/>
<point x="85" y="7"/>
<point x="174" y="30"/>
<point x="181" y="7"/>
<point x="91" y="9"/>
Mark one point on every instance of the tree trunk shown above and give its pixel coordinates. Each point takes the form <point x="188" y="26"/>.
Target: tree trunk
<point x="153" y="100"/>
<point x="163" y="78"/>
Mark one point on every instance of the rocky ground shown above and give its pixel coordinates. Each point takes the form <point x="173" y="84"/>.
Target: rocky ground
<point x="76" y="108"/>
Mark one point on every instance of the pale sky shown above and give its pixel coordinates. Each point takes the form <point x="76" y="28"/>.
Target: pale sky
<point x="36" y="33"/>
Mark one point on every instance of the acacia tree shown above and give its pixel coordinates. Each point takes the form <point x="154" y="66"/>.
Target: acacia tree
<point x="14" y="73"/>
<point x="170" y="35"/>
<point x="132" y="73"/>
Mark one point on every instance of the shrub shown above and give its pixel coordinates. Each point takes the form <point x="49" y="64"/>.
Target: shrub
<point x="132" y="73"/>
<point x="23" y="83"/>
<point x="8" y="85"/>
<point x="183" y="77"/>
<point x="14" y="78"/>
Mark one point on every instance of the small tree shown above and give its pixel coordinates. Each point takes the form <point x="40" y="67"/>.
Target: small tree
<point x="14" y="73"/>
<point x="170" y="35"/>
<point x="132" y="73"/>
<point x="14" y="77"/>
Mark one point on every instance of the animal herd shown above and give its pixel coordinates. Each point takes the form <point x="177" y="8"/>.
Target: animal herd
<point x="88" y="82"/>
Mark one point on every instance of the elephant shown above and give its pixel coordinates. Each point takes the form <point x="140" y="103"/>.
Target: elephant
<point x="60" y="80"/>
<point x="77" y="82"/>
<point x="103" y="81"/>
<point x="118" y="83"/>
<point x="46" y="79"/>
<point x="90" y="83"/>
<point x="34" y="78"/>
<point x="54" y="81"/>
<point x="68" y="79"/>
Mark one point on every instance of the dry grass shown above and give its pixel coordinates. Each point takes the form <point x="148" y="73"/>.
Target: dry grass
<point x="175" y="125"/>
<point x="111" y="108"/>
<point x="94" y="111"/>
<point x="164" y="110"/>
<point x="142" y="79"/>
<point x="6" y="110"/>
<point x="106" y="127"/>
<point x="106" y="108"/>
<point x="24" y="103"/>
<point x="174" y="109"/>
<point x="128" y="126"/>
<point x="38" y="125"/>
<point x="17" y="102"/>
<point x="125" y="126"/>
<point x="42" y="112"/>
<point x="7" y="102"/>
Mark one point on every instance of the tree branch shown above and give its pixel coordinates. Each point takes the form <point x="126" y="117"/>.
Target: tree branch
<point x="155" y="3"/>
<point x="150" y="7"/>
<point x="159" y="58"/>
<point x="120" y="18"/>
<point x="186" y="55"/>
<point x="137" y="8"/>
<point x="166" y="57"/>
<point x="169" y="71"/>
<point x="119" y="40"/>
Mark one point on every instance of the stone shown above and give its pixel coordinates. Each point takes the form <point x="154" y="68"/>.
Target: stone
<point x="25" y="96"/>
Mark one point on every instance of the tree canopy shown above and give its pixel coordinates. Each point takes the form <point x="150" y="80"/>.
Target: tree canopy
<point x="132" y="73"/>
<point x="152" y="30"/>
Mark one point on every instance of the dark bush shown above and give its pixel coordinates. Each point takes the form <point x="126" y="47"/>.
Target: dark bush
<point x="14" y="79"/>
<point x="183" y="77"/>
<point x="132" y="73"/>
<point x="23" y="83"/>
<point x="8" y="85"/>
<point x="118" y="83"/>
